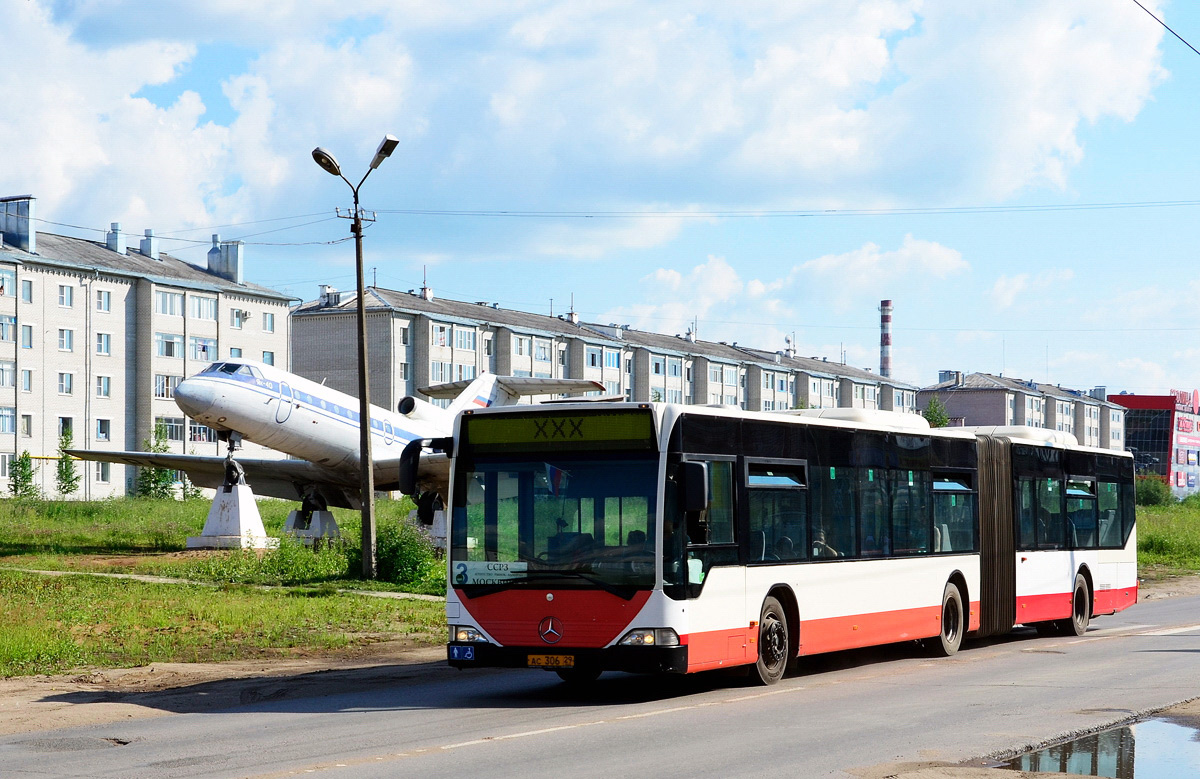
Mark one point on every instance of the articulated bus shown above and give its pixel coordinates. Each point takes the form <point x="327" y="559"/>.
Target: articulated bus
<point x="659" y="538"/>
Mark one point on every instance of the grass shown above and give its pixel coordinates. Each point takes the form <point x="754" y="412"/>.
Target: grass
<point x="53" y="624"/>
<point x="57" y="623"/>
<point x="1169" y="538"/>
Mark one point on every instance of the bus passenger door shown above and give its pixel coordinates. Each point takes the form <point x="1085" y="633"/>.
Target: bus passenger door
<point x="719" y="634"/>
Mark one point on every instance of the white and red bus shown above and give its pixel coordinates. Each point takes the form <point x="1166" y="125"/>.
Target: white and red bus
<point x="586" y="537"/>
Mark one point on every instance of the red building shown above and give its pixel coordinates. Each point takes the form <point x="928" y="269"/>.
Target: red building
<point x="1163" y="432"/>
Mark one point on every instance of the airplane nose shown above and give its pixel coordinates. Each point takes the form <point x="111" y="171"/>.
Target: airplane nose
<point x="194" y="397"/>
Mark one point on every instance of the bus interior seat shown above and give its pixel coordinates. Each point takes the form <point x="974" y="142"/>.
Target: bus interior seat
<point x="568" y="544"/>
<point x="946" y="545"/>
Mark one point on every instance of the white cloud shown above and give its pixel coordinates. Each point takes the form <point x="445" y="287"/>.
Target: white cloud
<point x="870" y="271"/>
<point x="1031" y="290"/>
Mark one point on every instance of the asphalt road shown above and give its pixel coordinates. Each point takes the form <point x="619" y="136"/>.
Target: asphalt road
<point x="841" y="714"/>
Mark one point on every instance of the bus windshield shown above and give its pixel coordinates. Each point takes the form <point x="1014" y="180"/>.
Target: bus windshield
<point x="557" y="521"/>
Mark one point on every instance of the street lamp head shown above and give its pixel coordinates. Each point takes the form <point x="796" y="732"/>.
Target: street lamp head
<point x="386" y="147"/>
<point x="327" y="161"/>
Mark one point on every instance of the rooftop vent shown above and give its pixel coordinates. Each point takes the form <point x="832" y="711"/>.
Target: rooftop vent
<point x="149" y="245"/>
<point x="114" y="239"/>
<point x="330" y="296"/>
<point x="225" y="259"/>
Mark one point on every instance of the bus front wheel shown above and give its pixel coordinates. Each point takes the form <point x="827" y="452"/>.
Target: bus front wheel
<point x="1081" y="609"/>
<point x="772" y="642"/>
<point x="953" y="622"/>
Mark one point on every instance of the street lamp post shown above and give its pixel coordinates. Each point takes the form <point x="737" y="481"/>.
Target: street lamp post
<point x="367" y="483"/>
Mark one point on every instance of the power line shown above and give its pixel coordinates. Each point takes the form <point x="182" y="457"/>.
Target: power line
<point x="1164" y="24"/>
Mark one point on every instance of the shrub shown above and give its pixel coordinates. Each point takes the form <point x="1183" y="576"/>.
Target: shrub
<point x="1152" y="490"/>
<point x="405" y="556"/>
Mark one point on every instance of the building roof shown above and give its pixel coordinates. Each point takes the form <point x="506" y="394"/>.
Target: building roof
<point x="613" y="334"/>
<point x="80" y="254"/>
<point x="986" y="381"/>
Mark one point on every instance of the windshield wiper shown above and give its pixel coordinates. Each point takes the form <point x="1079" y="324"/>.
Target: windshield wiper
<point x="625" y="592"/>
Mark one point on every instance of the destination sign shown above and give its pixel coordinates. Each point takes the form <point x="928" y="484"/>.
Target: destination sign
<point x="559" y="430"/>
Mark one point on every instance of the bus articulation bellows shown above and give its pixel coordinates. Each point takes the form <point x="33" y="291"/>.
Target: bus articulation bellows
<point x="654" y="538"/>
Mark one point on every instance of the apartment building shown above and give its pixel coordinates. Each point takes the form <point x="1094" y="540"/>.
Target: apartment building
<point x="984" y="399"/>
<point x="96" y="335"/>
<point x="416" y="340"/>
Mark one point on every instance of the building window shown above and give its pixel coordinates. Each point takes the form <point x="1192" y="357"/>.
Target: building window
<point x="674" y="396"/>
<point x="164" y="385"/>
<point x="487" y="345"/>
<point x="103" y="300"/>
<point x="201" y="434"/>
<point x="26" y="291"/>
<point x="65" y="425"/>
<point x="173" y="427"/>
<point x="464" y="338"/>
<point x="66" y="295"/>
<point x="8" y="283"/>
<point x="268" y="323"/>
<point x="66" y="383"/>
<point x="595" y="356"/>
<point x="464" y="372"/>
<point x="168" y="345"/>
<point x="439" y="372"/>
<point x="27" y="425"/>
<point x="731" y="400"/>
<point x="237" y="318"/>
<point x="658" y="365"/>
<point x="541" y="350"/>
<point x="439" y="335"/>
<point x="714" y="376"/>
<point x="8" y="374"/>
<point x="169" y="303"/>
<point x="235" y="352"/>
<point x="269" y="358"/>
<point x="731" y="375"/>
<point x="204" y="308"/>
<point x="402" y="371"/>
<point x="202" y="348"/>
<point x="612" y="359"/>
<point x="103" y="386"/>
<point x="8" y="419"/>
<point x="66" y="340"/>
<point x="404" y="335"/>
<point x="8" y="330"/>
<point x="522" y="345"/>
<point x="612" y="388"/>
<point x="103" y="472"/>
<point x="104" y="343"/>
<point x="103" y="429"/>
<point x="26" y="380"/>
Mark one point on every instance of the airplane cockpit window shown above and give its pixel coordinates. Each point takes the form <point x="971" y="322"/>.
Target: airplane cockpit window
<point x="250" y="369"/>
<point x="213" y="367"/>
<point x="231" y="368"/>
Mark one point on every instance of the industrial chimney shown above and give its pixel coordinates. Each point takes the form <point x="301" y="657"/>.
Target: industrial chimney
<point x="885" y="338"/>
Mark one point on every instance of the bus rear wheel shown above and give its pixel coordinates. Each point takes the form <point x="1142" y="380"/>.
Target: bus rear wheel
<point x="772" y="643"/>
<point x="953" y="622"/>
<point x="1081" y="609"/>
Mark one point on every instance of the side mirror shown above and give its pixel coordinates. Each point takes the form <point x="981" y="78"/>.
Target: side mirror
<point x="410" y="461"/>
<point x="693" y="478"/>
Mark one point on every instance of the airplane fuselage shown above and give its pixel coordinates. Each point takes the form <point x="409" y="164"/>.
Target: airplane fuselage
<point x="294" y="415"/>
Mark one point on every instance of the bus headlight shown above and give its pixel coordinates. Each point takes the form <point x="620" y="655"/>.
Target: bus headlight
<point x="650" y="637"/>
<point x="465" y="634"/>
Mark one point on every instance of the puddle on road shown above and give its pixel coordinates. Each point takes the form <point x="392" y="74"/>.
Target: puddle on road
<point x="1153" y="749"/>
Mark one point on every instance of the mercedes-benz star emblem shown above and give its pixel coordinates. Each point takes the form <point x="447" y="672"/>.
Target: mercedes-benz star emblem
<point x="550" y="629"/>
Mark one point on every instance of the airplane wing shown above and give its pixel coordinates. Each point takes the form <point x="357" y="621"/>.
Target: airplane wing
<point x="287" y="479"/>
<point x="517" y="386"/>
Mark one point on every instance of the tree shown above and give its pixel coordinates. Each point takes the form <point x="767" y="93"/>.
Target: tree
<point x="156" y="482"/>
<point x="935" y="413"/>
<point x="66" y="478"/>
<point x="20" y="476"/>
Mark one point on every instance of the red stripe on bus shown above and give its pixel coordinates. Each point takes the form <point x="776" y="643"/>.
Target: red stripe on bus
<point x="588" y="618"/>
<point x="1042" y="608"/>
<point x="1112" y="601"/>
<point x="720" y="648"/>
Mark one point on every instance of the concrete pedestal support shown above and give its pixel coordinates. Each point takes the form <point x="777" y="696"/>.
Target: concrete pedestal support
<point x="233" y="522"/>
<point x="311" y="525"/>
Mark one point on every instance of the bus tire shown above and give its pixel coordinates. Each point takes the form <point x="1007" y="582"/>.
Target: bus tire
<point x="1081" y="609"/>
<point x="578" y="677"/>
<point x="772" y="643"/>
<point x="953" y="623"/>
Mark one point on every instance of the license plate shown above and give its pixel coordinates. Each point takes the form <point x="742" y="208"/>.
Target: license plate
<point x="551" y="661"/>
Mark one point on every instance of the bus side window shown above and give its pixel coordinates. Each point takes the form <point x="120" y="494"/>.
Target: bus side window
<point x="778" y="506"/>
<point x="1051" y="527"/>
<point x="719" y="517"/>
<point x="710" y="532"/>
<point x="833" y="517"/>
<point x="875" y="526"/>
<point x="1026" y="515"/>
<point x="1109" y="502"/>
<point x="911" y="511"/>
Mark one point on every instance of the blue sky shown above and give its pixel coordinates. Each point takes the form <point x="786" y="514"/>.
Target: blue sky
<point x="676" y="128"/>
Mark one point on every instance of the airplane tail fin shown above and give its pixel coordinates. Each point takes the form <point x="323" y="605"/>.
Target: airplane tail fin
<point x="489" y="389"/>
<point x="483" y="391"/>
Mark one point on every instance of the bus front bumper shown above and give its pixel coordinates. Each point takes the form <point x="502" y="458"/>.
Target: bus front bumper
<point x="631" y="659"/>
